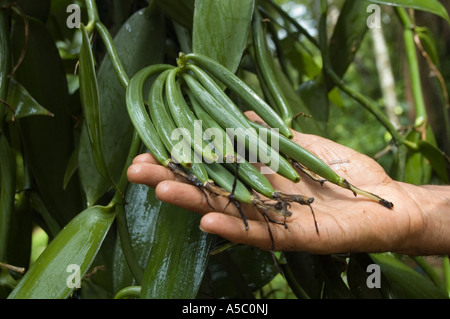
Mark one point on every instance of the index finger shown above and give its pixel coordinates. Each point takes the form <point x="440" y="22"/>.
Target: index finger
<point x="145" y="158"/>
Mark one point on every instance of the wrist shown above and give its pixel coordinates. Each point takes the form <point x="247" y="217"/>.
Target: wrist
<point x="437" y="216"/>
<point x="430" y="207"/>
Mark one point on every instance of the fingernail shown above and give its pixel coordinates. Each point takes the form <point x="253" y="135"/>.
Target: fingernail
<point x="201" y="228"/>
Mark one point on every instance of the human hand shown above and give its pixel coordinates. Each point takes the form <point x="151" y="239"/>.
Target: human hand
<point x="345" y="223"/>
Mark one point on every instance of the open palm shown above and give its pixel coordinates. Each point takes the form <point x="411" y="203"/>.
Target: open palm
<point x="346" y="223"/>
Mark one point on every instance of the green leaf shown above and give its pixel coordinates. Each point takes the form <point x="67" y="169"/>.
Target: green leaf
<point x="221" y="29"/>
<point x="90" y="105"/>
<point x="140" y="42"/>
<point x="20" y="231"/>
<point x="335" y="98"/>
<point x="429" y="44"/>
<point x="438" y="160"/>
<point x="238" y="272"/>
<point x="37" y="9"/>
<point x="300" y="58"/>
<point x="331" y="270"/>
<point x="47" y="141"/>
<point x="358" y="275"/>
<point x="52" y="226"/>
<point x="142" y="213"/>
<point x="404" y="281"/>
<point x="23" y="103"/>
<point x="99" y="281"/>
<point x="304" y="122"/>
<point x="315" y="95"/>
<point x="53" y="275"/>
<point x="417" y="170"/>
<point x="72" y="166"/>
<point x="181" y="12"/>
<point x="432" y="6"/>
<point x="57" y="26"/>
<point x="7" y="191"/>
<point x="347" y="36"/>
<point x="423" y="157"/>
<point x="178" y="257"/>
<point x="304" y="267"/>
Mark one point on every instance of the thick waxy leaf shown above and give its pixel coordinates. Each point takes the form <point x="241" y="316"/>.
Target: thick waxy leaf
<point x="237" y="272"/>
<point x="320" y="276"/>
<point x="57" y="25"/>
<point x="20" y="232"/>
<point x="48" y="141"/>
<point x="334" y="286"/>
<point x="68" y="257"/>
<point x="358" y="271"/>
<point x="181" y="12"/>
<point x="23" y="103"/>
<point x="314" y="94"/>
<point x="417" y="170"/>
<point x="142" y="213"/>
<point x="90" y="104"/>
<point x="300" y="58"/>
<point x="221" y="29"/>
<point x="304" y="268"/>
<point x="178" y="256"/>
<point x="37" y="9"/>
<point x="304" y="122"/>
<point x="7" y="170"/>
<point x="140" y="42"/>
<point x="347" y="35"/>
<point x="7" y="191"/>
<point x="432" y="6"/>
<point x="98" y="283"/>
<point x="429" y="44"/>
<point x="438" y="160"/>
<point x="404" y="281"/>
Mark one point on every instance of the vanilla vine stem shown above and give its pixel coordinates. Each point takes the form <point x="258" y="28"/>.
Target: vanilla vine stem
<point x="413" y="63"/>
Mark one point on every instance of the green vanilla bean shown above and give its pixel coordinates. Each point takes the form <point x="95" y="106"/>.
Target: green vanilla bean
<point x="139" y="115"/>
<point x="184" y="117"/>
<point x="164" y="124"/>
<point x="131" y="292"/>
<point x="215" y="90"/>
<point x="112" y="53"/>
<point x="265" y="66"/>
<point x="313" y="163"/>
<point x="235" y="84"/>
<point x="223" y="117"/>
